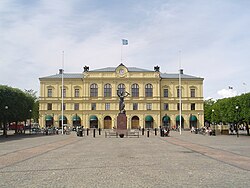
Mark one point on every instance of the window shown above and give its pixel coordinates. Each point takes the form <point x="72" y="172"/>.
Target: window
<point x="192" y="92"/>
<point x="149" y="106"/>
<point x="64" y="92"/>
<point x="107" y="90"/>
<point x="192" y="106"/>
<point x="93" y="106"/>
<point x="135" y="106"/>
<point x="178" y="92"/>
<point x="64" y="106"/>
<point x="135" y="90"/>
<point x="77" y="93"/>
<point x="121" y="88"/>
<point x="178" y="106"/>
<point x="76" y="106"/>
<point x="93" y="90"/>
<point x="148" y="90"/>
<point x="165" y="106"/>
<point x="49" y="92"/>
<point x="107" y="106"/>
<point x="165" y="93"/>
<point x="49" y="106"/>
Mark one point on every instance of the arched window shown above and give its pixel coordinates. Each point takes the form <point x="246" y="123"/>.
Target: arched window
<point x="135" y="90"/>
<point x="148" y="90"/>
<point x="121" y="88"/>
<point x="93" y="90"/>
<point x="107" y="90"/>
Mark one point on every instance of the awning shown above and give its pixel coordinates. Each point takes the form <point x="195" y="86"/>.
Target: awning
<point x="166" y="119"/>
<point x="48" y="118"/>
<point x="93" y="118"/>
<point x="76" y="118"/>
<point x="64" y="118"/>
<point x="178" y="118"/>
<point x="193" y="118"/>
<point x="149" y="118"/>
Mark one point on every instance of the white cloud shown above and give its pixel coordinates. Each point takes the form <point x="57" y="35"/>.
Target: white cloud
<point x="225" y="93"/>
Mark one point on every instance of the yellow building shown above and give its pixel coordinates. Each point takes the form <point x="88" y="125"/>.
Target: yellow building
<point x="90" y="98"/>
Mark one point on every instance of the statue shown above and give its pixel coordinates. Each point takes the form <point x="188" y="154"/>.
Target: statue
<point x="122" y="95"/>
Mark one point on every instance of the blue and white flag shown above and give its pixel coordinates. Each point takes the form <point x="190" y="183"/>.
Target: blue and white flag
<point x="124" y="42"/>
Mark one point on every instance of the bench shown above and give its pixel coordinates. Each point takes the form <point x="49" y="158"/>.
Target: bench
<point x="133" y="134"/>
<point x="110" y="134"/>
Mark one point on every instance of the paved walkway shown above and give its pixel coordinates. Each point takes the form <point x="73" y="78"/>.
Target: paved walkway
<point x="186" y="160"/>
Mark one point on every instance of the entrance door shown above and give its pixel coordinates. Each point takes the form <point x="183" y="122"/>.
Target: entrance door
<point x="135" y="122"/>
<point x="107" y="122"/>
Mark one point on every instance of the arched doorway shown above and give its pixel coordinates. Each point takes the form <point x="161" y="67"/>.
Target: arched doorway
<point x="65" y="121"/>
<point x="149" y="122"/>
<point x="193" y="121"/>
<point x="76" y="120"/>
<point x="178" y="122"/>
<point x="49" y="121"/>
<point x="107" y="122"/>
<point x="135" y="122"/>
<point x="166" y="121"/>
<point x="93" y="122"/>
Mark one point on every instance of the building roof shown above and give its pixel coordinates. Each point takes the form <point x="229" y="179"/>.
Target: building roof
<point x="65" y="75"/>
<point x="113" y="69"/>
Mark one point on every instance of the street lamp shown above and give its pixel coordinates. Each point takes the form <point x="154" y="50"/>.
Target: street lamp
<point x="198" y="121"/>
<point x="213" y="122"/>
<point x="5" y="123"/>
<point x="30" y="119"/>
<point x="237" y="119"/>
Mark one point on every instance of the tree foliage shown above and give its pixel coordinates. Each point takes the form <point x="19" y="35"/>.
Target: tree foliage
<point x="15" y="105"/>
<point x="225" y="110"/>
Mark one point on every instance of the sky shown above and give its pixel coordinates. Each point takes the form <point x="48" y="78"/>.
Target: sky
<point x="208" y="39"/>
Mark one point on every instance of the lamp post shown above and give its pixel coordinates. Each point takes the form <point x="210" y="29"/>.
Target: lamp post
<point x="5" y="123"/>
<point x="213" y="122"/>
<point x="30" y="120"/>
<point x="237" y="119"/>
<point x="198" y="122"/>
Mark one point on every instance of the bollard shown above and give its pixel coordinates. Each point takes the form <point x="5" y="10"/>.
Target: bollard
<point x="87" y="131"/>
<point x="94" y="133"/>
<point x="155" y="131"/>
<point x="142" y="131"/>
<point x="99" y="131"/>
<point x="148" y="133"/>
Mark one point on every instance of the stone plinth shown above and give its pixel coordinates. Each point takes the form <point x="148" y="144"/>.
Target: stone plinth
<point x="121" y="124"/>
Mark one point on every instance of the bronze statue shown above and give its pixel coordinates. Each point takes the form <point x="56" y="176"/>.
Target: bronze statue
<point x="122" y="95"/>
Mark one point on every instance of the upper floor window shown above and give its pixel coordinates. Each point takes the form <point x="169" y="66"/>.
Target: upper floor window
<point x="148" y="90"/>
<point x="178" y="106"/>
<point x="192" y="92"/>
<point x="64" y="92"/>
<point x="165" y="106"/>
<point x="77" y="92"/>
<point x="178" y="92"/>
<point x="93" y="106"/>
<point x="76" y="106"/>
<point x="192" y="106"/>
<point x="165" y="93"/>
<point x="149" y="106"/>
<point x="135" y="90"/>
<point x="64" y="106"/>
<point x="121" y="88"/>
<point x="49" y="106"/>
<point x="107" y="90"/>
<point x="135" y="106"/>
<point x="107" y="106"/>
<point x="49" y="92"/>
<point x="93" y="90"/>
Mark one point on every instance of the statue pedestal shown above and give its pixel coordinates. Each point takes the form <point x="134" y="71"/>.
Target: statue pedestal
<point x="121" y="124"/>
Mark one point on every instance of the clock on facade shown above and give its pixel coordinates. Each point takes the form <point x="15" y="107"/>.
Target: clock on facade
<point x="121" y="71"/>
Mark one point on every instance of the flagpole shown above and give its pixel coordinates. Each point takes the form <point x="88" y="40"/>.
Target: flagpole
<point x="121" y="52"/>
<point x="62" y="88"/>
<point x="180" y="93"/>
